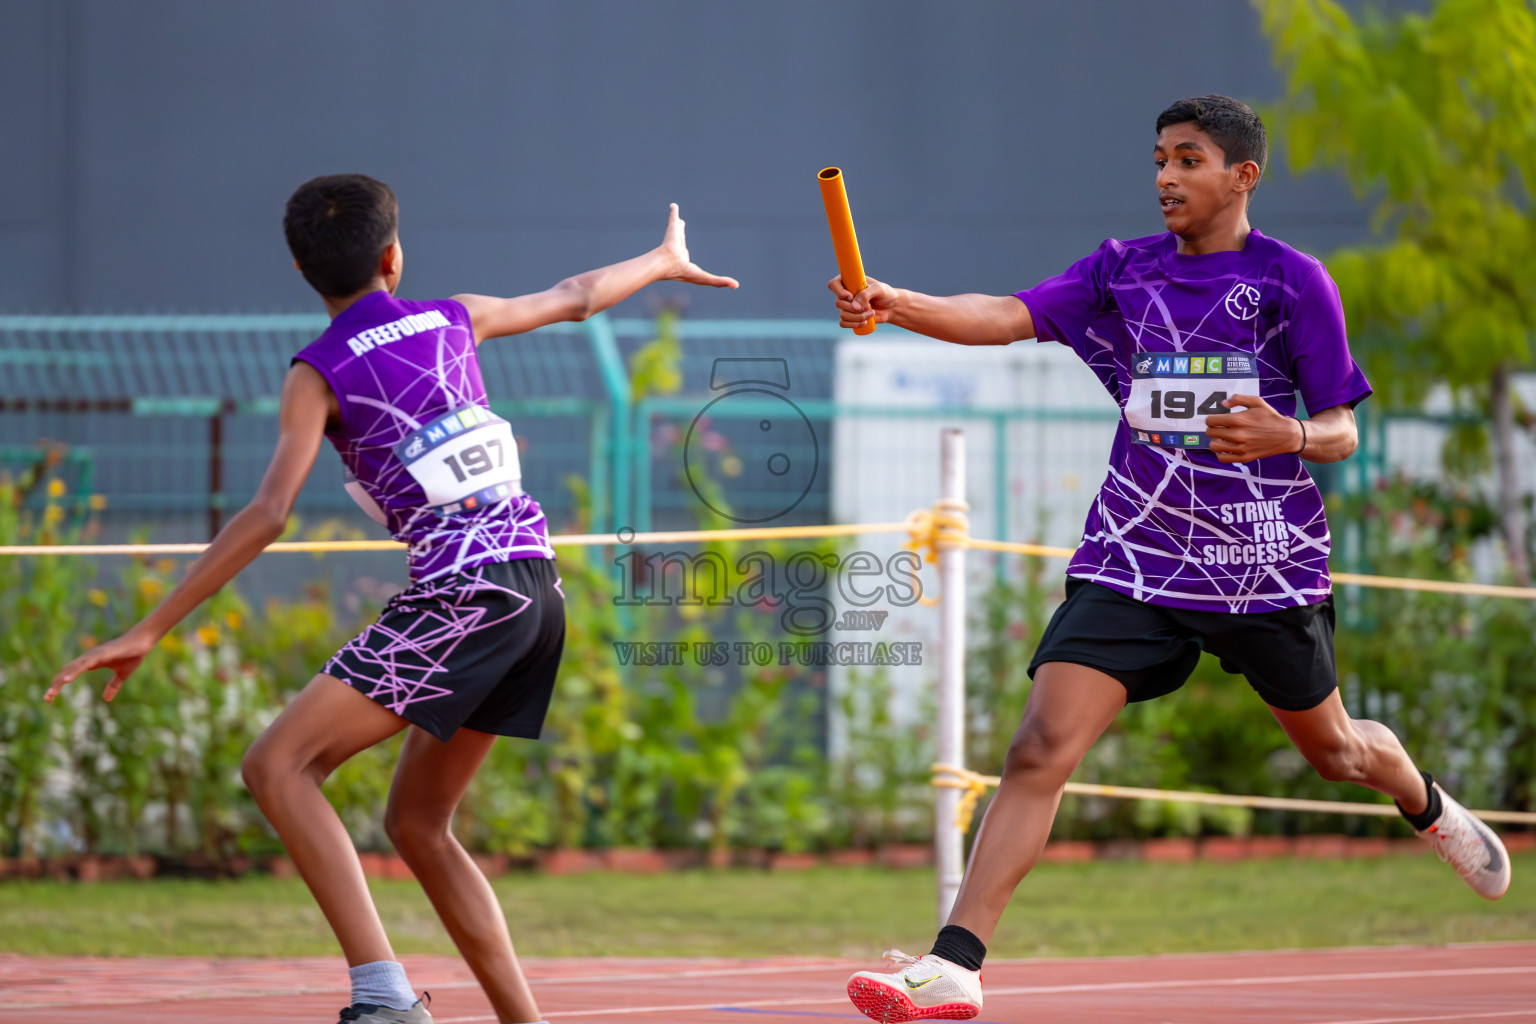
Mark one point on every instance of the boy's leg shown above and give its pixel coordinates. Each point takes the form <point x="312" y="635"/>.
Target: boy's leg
<point x="429" y="782"/>
<point x="320" y="728"/>
<point x="1069" y="707"/>
<point x="1345" y="749"/>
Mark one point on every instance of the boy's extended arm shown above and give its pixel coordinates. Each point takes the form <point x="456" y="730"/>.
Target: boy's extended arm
<point x="307" y="404"/>
<point x="577" y="298"/>
<point x="972" y="319"/>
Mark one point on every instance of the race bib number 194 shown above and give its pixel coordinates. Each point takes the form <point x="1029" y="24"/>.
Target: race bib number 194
<point x="1173" y="392"/>
<point x="463" y="460"/>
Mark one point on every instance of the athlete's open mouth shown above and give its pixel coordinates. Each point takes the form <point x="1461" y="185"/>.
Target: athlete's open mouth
<point x="1169" y="202"/>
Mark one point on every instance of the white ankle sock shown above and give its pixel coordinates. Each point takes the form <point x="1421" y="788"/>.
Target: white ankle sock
<point x="383" y="984"/>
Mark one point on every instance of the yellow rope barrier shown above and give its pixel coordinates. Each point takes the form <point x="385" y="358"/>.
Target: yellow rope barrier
<point x="975" y="785"/>
<point x="928" y="530"/>
<point x="558" y="540"/>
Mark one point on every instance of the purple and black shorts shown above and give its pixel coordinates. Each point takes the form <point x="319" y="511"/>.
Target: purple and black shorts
<point x="478" y="649"/>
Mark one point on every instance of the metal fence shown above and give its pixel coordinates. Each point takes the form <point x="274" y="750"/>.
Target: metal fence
<point x="170" y="420"/>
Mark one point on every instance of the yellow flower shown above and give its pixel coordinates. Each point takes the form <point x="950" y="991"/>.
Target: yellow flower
<point x="96" y="597"/>
<point x="171" y="643"/>
<point x="232" y="620"/>
<point x="87" y="642"/>
<point x="52" y="516"/>
<point x="209" y="635"/>
<point x="730" y="466"/>
<point x="165" y="566"/>
<point x="55" y="488"/>
<point x="98" y="502"/>
<point x="150" y="586"/>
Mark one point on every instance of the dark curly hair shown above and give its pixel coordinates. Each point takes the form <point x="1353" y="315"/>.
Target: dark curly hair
<point x="337" y="227"/>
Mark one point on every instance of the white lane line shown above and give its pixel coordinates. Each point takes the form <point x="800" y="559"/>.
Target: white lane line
<point x="1031" y="990"/>
<point x="702" y="972"/>
<point x="200" y="995"/>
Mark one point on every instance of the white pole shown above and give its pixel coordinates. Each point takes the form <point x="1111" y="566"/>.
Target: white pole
<point x="949" y="844"/>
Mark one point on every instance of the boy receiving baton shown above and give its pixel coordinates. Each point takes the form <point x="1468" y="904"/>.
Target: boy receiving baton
<point x="1207" y="534"/>
<point x="470" y="650"/>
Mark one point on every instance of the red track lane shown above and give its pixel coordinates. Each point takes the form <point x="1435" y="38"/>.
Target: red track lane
<point x="1495" y="983"/>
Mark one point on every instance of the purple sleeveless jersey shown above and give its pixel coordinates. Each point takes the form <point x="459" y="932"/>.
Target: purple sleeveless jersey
<point x="1170" y="337"/>
<point x="424" y="455"/>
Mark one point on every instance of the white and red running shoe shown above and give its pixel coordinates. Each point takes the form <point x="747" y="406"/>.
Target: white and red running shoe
<point x="927" y="988"/>
<point x="1469" y="846"/>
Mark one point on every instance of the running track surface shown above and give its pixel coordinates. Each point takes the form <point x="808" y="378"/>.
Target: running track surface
<point x="1391" y="985"/>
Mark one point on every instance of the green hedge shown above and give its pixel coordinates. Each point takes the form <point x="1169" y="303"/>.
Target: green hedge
<point x="704" y="757"/>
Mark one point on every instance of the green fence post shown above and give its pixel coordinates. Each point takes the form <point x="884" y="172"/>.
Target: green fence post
<point x="610" y="365"/>
<point x="599" y="468"/>
<point x="642" y="470"/>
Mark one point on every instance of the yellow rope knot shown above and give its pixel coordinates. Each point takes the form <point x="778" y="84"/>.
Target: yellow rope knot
<point x="973" y="785"/>
<point x="930" y="531"/>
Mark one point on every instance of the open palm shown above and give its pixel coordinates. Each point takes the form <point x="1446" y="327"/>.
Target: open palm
<point x="675" y="245"/>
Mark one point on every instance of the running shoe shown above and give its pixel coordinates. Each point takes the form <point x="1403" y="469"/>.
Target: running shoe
<point x="371" y="1013"/>
<point x="927" y="988"/>
<point x="1469" y="846"/>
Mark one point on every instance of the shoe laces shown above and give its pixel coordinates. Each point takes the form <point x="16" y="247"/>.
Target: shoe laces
<point x="1459" y="842"/>
<point x="896" y="956"/>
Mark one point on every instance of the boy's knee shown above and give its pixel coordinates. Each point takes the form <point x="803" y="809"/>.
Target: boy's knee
<point x="257" y="769"/>
<point x="266" y="766"/>
<point x="413" y="834"/>
<point x="1040" y="749"/>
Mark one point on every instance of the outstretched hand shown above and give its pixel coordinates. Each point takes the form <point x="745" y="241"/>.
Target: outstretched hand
<point x="1255" y="432"/>
<point x="122" y="655"/>
<point x="675" y="246"/>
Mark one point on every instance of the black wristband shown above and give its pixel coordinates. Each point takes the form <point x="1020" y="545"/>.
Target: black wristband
<point x="1303" y="425"/>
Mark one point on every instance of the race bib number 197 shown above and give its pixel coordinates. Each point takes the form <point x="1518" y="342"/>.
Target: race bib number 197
<point x="1173" y="392"/>
<point x="465" y="459"/>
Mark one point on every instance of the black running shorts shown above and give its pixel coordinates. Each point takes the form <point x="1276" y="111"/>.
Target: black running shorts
<point x="478" y="649"/>
<point x="1287" y="655"/>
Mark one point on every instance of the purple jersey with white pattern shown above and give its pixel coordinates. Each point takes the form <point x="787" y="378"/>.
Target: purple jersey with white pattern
<point x="1170" y="336"/>
<point x="424" y="455"/>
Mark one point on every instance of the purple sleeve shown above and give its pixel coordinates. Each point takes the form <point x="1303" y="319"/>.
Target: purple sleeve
<point x="1324" y="371"/>
<point x="1063" y="306"/>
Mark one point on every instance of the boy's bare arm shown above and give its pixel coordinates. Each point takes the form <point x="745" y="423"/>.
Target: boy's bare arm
<point x="577" y="298"/>
<point x="972" y="319"/>
<point x="307" y="404"/>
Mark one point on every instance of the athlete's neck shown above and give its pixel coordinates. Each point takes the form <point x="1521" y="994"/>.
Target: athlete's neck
<point x="334" y="307"/>
<point x="1220" y="237"/>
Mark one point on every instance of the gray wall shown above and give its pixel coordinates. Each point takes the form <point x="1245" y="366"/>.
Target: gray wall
<point x="147" y="146"/>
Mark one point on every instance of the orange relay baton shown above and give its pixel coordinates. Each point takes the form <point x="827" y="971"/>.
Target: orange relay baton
<point x="844" y="242"/>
